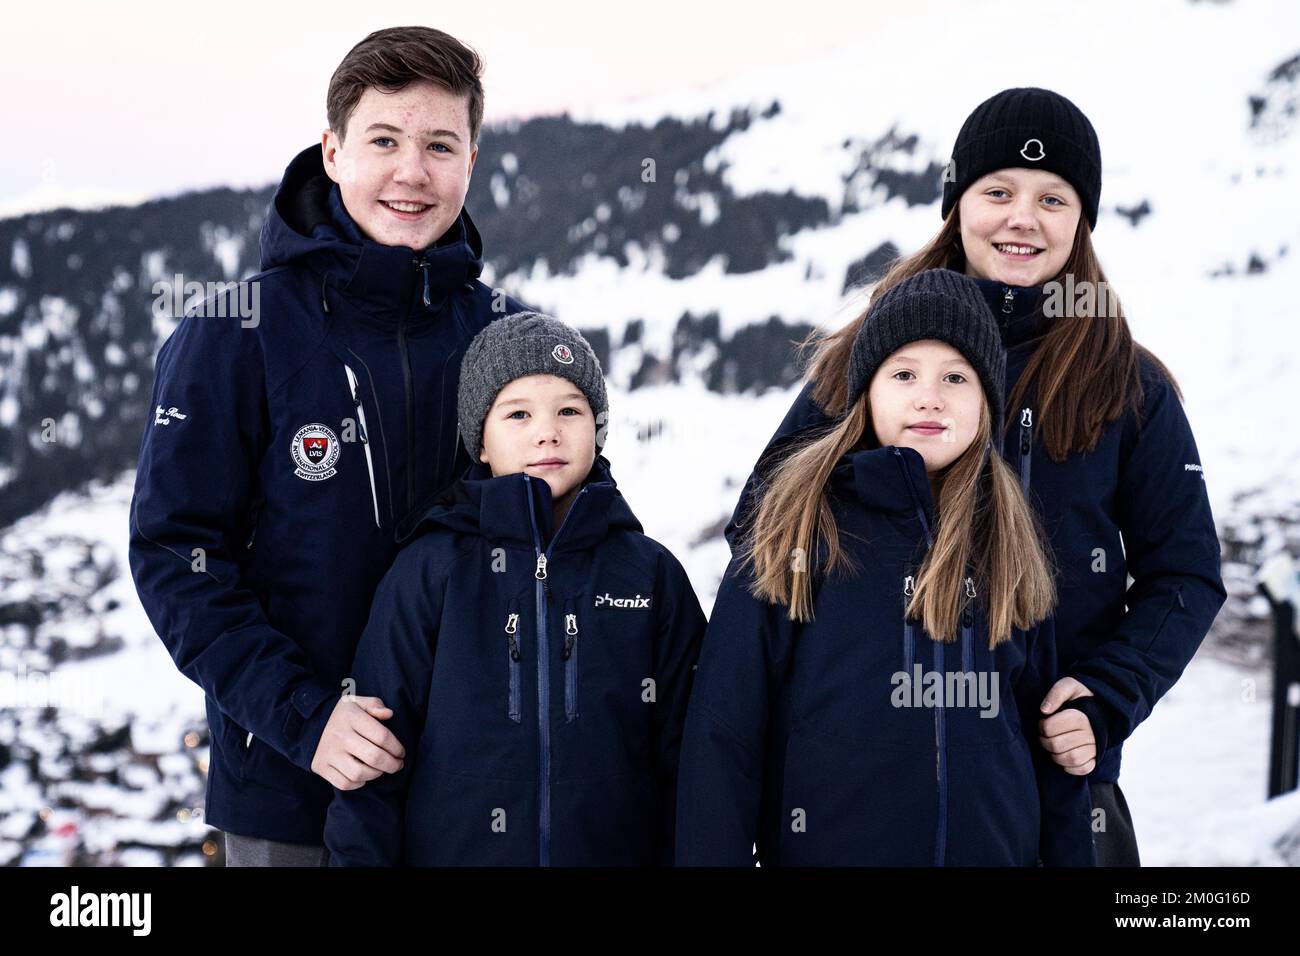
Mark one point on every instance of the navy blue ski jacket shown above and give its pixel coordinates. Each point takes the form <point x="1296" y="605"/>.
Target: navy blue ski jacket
<point x="284" y="453"/>
<point x="1136" y="505"/>
<point x="539" y="682"/>
<point x="805" y="738"/>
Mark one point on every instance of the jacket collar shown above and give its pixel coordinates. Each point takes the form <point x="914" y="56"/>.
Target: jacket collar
<point x="307" y="222"/>
<point x="891" y="479"/>
<point x="1018" y="311"/>
<point x="517" y="509"/>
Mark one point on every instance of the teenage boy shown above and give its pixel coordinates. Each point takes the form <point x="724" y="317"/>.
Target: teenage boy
<point x="268" y="507"/>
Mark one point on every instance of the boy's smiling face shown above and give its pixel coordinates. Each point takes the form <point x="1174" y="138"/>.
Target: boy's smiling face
<point x="409" y="147"/>
<point x="543" y="426"/>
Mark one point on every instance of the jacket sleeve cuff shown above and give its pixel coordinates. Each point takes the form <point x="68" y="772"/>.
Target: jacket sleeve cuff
<point x="313" y="704"/>
<point x="1094" y="710"/>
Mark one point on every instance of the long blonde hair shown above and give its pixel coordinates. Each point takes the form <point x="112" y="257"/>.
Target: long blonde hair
<point x="983" y="521"/>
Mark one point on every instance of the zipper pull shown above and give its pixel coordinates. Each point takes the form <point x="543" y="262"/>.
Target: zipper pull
<point x="907" y="586"/>
<point x="970" y="588"/>
<point x="423" y="266"/>
<point x="1026" y="424"/>
<point x="540" y="573"/>
<point x="512" y="625"/>
<point x="571" y="629"/>
<point x="1007" y="299"/>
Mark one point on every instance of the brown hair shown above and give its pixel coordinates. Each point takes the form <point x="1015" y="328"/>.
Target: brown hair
<point x="1086" y="370"/>
<point x="983" y="521"/>
<point x="389" y="59"/>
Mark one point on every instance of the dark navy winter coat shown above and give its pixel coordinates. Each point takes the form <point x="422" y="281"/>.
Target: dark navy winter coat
<point x="539" y="683"/>
<point x="802" y="737"/>
<point x="1136" y="505"/>
<point x="265" y="509"/>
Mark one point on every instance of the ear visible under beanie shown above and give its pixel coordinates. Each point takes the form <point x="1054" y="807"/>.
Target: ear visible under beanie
<point x="525" y="343"/>
<point x="1027" y="128"/>
<point x="934" y="304"/>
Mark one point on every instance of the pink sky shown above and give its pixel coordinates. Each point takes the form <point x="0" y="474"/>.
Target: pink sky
<point x="163" y="99"/>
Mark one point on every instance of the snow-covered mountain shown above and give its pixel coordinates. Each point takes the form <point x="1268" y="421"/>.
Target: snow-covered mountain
<point x="776" y="199"/>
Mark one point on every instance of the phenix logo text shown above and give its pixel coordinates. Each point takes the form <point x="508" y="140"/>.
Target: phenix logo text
<point x="604" y="600"/>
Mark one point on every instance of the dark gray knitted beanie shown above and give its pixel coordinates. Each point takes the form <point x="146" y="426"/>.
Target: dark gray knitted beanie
<point x="525" y="343"/>
<point x="934" y="304"/>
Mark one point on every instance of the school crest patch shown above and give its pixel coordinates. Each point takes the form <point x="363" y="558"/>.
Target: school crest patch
<point x="315" y="451"/>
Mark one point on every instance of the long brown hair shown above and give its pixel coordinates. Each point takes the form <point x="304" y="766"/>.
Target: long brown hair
<point x="983" y="522"/>
<point x="1085" y="372"/>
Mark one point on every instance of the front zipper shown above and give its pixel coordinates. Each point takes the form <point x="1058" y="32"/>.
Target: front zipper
<point x="1008" y="299"/>
<point x="543" y="596"/>
<point x="512" y="628"/>
<point x="570" y="663"/>
<point x="365" y="438"/>
<point x="410" y="413"/>
<point x="1026" y="443"/>
<point x="422" y="265"/>
<point x="940" y="769"/>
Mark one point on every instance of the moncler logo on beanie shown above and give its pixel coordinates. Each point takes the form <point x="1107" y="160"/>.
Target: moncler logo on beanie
<point x="1030" y="128"/>
<point x="1032" y="147"/>
<point x="525" y="343"/>
<point x="934" y="304"/>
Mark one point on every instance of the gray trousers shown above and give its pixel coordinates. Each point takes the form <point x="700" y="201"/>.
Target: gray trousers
<point x="255" y="851"/>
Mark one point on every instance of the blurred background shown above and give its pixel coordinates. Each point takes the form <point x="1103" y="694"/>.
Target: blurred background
<point x="797" y="152"/>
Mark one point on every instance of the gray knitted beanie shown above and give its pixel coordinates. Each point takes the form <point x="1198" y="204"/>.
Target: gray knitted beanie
<point x="525" y="343"/>
<point x="934" y="304"/>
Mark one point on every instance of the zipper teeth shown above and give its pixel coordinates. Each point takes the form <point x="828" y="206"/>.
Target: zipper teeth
<point x="543" y="674"/>
<point x="571" y="666"/>
<point x="941" y="774"/>
<point x="365" y="438"/>
<point x="909" y="641"/>
<point x="941" y="832"/>
<point x="1026" y="445"/>
<point x="512" y="627"/>
<point x="410" y="413"/>
<point x="968" y="627"/>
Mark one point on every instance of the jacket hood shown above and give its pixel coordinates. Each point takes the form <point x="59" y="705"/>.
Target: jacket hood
<point x="510" y="507"/>
<point x="307" y="223"/>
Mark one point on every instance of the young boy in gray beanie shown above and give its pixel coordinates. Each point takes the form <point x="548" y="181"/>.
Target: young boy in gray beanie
<point x="532" y="365"/>
<point x="547" y="733"/>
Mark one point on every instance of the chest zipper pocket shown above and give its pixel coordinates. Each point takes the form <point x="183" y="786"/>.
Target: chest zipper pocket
<point x="1026" y="443"/>
<point x="968" y="627"/>
<point x="909" y="635"/>
<point x="365" y="438"/>
<point x="570" y="662"/>
<point x="512" y="644"/>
